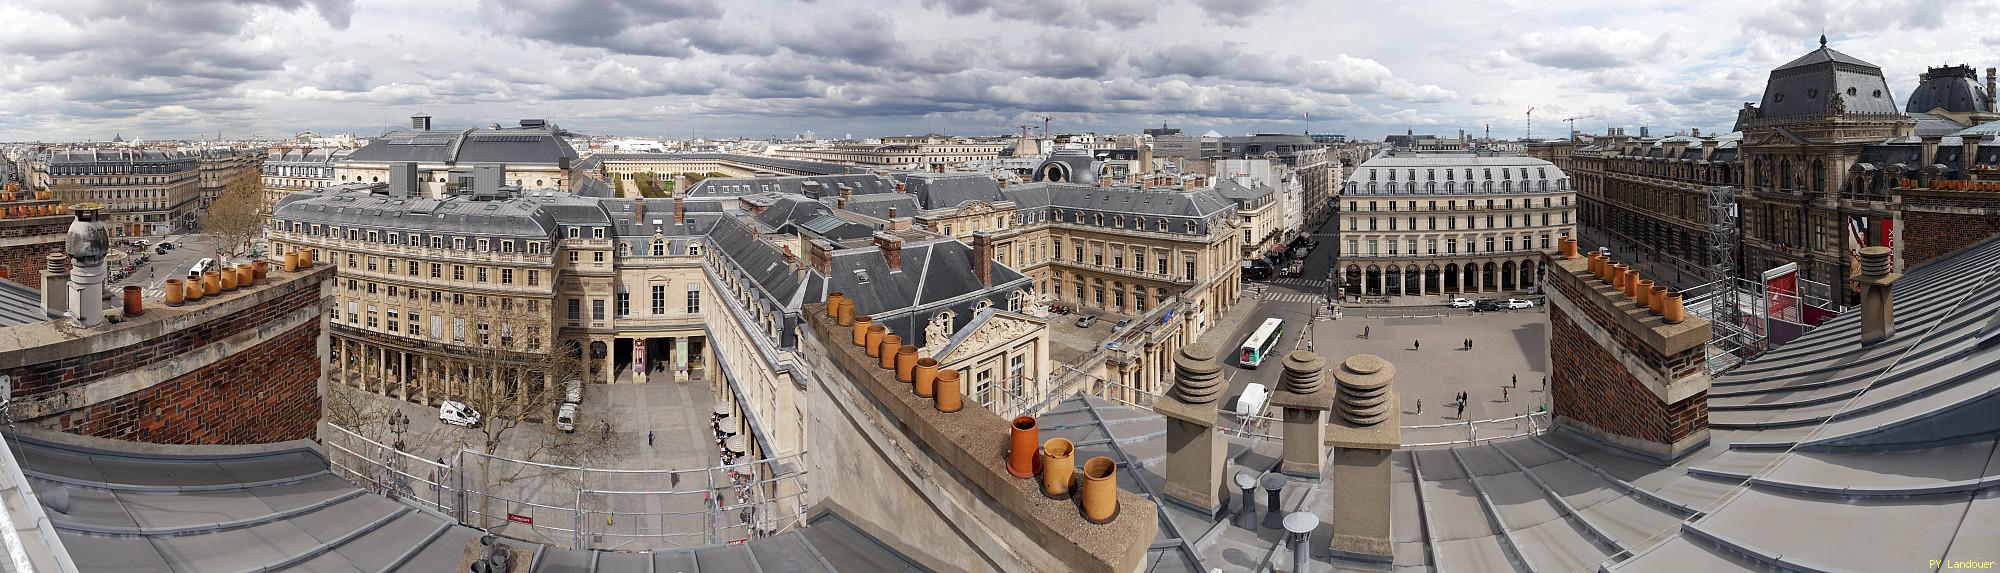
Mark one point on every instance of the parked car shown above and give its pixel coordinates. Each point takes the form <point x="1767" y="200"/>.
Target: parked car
<point x="1121" y="324"/>
<point x="573" y="392"/>
<point x="1485" y="305"/>
<point x="457" y="414"/>
<point x="160" y="250"/>
<point x="141" y="243"/>
<point x="1461" y="303"/>
<point x="1295" y="269"/>
<point x="168" y="245"/>
<point x="1519" y="303"/>
<point x="1086" y="320"/>
<point x="566" y="417"/>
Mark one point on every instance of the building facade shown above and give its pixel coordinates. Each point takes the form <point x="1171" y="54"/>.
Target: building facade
<point x="288" y="170"/>
<point x="225" y="167"/>
<point x="146" y="192"/>
<point x="914" y="152"/>
<point x="443" y="298"/>
<point x="535" y="153"/>
<point x="1440" y="223"/>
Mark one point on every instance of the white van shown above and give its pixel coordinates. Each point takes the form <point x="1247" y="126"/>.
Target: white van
<point x="566" y="417"/>
<point x="573" y="392"/>
<point x="457" y="414"/>
<point x="1251" y="403"/>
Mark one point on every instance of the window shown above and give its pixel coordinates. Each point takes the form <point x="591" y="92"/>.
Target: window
<point x="575" y="233"/>
<point x="659" y="248"/>
<point x="597" y="256"/>
<point x="575" y="309"/>
<point x="483" y="245"/>
<point x="416" y="324"/>
<point x="506" y="276"/>
<point x="534" y="278"/>
<point x="659" y="299"/>
<point x="394" y="325"/>
<point x="1162" y="262"/>
<point x="573" y="257"/>
<point x="458" y="272"/>
<point x="694" y="301"/>
<point x="1188" y="263"/>
<point x="624" y="304"/>
<point x="482" y="274"/>
<point x="437" y="271"/>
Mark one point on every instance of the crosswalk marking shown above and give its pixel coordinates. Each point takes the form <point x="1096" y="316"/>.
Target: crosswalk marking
<point x="1293" y="297"/>
<point x="1299" y="281"/>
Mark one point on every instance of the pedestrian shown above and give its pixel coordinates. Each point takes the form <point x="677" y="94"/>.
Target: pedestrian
<point x="1545" y="383"/>
<point x="1516" y="383"/>
<point x="1364" y="332"/>
<point x="1503" y="394"/>
<point x="649" y="438"/>
<point x="1461" y="409"/>
<point x="1416" y="345"/>
<point x="1420" y="406"/>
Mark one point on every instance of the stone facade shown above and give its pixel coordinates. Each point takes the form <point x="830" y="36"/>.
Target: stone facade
<point x="1446" y="223"/>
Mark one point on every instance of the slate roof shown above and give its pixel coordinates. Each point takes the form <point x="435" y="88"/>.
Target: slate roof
<point x="815" y="186"/>
<point x="282" y="509"/>
<point x="595" y="162"/>
<point x="1803" y="86"/>
<point x="515" y="217"/>
<point x="511" y="145"/>
<point x="950" y="190"/>
<point x="1142" y="208"/>
<point x="19" y="304"/>
<point x="1905" y="469"/>
<point x="1952" y="88"/>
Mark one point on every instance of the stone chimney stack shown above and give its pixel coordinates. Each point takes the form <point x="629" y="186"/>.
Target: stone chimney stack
<point x="819" y="254"/>
<point x="638" y="211"/>
<point x="87" y="244"/>
<point x="892" y="250"/>
<point x="1991" y="96"/>
<point x="892" y="215"/>
<point x="1305" y="397"/>
<point x="1367" y="431"/>
<point x="1696" y="132"/>
<point x="1970" y="155"/>
<point x="1621" y="369"/>
<point x="1708" y="145"/>
<point x="1930" y="151"/>
<point x="982" y="257"/>
<point x="1194" y="449"/>
<point x="680" y="210"/>
<point x="55" y="285"/>
<point x="1878" y="268"/>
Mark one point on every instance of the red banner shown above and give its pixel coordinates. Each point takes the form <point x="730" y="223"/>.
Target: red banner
<point x="518" y="518"/>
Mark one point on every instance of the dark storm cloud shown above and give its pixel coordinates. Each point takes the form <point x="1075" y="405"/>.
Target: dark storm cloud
<point x="1236" y="12"/>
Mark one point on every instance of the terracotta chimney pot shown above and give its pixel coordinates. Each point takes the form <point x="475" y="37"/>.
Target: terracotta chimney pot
<point x="925" y="377"/>
<point x="949" y="396"/>
<point x="873" y="345"/>
<point x="861" y="325"/>
<point x="887" y="351"/>
<point x="1021" y="444"/>
<point x="1058" y="467"/>
<point x="1673" y="310"/>
<point x="175" y="293"/>
<point x="906" y="363"/>
<point x="1100" y="490"/>
<point x="134" y="301"/>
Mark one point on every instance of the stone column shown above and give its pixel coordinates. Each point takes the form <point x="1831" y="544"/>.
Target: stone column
<point x="1194" y="449"/>
<point x="680" y="358"/>
<point x="1367" y="430"/>
<point x="1305" y="397"/>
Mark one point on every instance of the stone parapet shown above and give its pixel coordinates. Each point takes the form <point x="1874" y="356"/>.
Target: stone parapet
<point x="973" y="444"/>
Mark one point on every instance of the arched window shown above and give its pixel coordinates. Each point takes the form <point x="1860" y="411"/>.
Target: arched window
<point x="1785" y="174"/>
<point x="659" y="248"/>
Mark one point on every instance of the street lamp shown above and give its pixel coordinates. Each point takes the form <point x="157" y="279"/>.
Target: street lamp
<point x="398" y="423"/>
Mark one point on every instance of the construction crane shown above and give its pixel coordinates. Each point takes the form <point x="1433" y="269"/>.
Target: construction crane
<point x="1531" y="124"/>
<point x="1572" y="125"/>
<point x="1045" y="126"/>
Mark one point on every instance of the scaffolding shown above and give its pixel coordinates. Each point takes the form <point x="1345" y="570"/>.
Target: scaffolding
<point x="1732" y="341"/>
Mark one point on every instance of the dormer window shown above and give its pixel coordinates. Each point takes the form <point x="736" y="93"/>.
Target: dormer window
<point x="575" y="233"/>
<point x="597" y="232"/>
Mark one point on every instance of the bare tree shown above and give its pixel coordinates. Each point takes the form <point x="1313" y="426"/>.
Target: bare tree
<point x="512" y="386"/>
<point x="236" y="218"/>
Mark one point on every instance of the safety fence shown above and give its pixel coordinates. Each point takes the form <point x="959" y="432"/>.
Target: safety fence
<point x="583" y="507"/>
<point x="1262" y="425"/>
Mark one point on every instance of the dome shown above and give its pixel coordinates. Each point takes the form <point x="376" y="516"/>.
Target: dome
<point x="1951" y="88"/>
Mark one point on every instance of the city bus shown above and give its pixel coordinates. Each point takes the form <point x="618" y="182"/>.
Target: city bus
<point x="1260" y="343"/>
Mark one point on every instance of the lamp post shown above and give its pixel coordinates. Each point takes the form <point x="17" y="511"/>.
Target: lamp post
<point x="398" y="423"/>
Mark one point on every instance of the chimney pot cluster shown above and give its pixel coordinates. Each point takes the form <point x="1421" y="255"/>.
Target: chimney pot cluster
<point x="1642" y="292"/>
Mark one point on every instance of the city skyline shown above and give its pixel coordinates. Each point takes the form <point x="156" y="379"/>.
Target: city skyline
<point x="90" y="70"/>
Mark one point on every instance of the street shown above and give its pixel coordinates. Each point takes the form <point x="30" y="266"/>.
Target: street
<point x="1506" y="346"/>
<point x="189" y="249"/>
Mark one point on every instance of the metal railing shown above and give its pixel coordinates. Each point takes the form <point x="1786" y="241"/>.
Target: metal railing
<point x="1262" y="426"/>
<point x="581" y="507"/>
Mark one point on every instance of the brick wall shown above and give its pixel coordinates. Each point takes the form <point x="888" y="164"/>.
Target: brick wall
<point x="1683" y="363"/>
<point x="1591" y="386"/>
<point x="1927" y="236"/>
<point x="267" y="394"/>
<point x="31" y="240"/>
<point x="80" y="370"/>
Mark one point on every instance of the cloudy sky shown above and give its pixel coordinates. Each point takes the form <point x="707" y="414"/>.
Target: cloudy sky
<point x="85" y="69"/>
